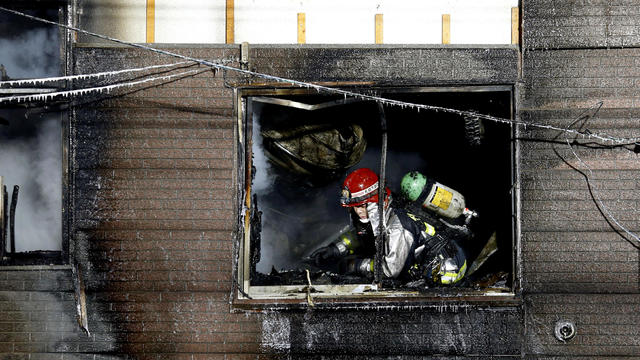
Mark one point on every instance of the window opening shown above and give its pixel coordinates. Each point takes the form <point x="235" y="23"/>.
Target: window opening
<point x="31" y="143"/>
<point x="303" y="145"/>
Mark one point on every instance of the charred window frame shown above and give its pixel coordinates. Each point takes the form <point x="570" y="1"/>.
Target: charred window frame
<point x="37" y="119"/>
<point x="445" y="142"/>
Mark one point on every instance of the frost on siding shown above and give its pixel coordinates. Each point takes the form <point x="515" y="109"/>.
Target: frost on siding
<point x="276" y="330"/>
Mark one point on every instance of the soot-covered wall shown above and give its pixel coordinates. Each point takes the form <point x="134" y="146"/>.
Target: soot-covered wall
<point x="576" y="56"/>
<point x="154" y="209"/>
<point x="157" y="233"/>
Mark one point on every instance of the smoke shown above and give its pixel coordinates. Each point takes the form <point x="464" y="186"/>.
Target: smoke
<point x="32" y="54"/>
<point x="33" y="161"/>
<point x="30" y="147"/>
<point x="298" y="215"/>
<point x="262" y="182"/>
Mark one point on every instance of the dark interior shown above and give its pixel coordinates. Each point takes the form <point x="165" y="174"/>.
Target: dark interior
<point x="300" y="212"/>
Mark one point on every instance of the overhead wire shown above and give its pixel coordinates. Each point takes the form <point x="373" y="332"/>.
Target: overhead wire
<point x="36" y="81"/>
<point x="321" y="88"/>
<point x="84" y="91"/>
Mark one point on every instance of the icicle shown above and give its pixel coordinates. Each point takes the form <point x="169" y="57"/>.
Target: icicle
<point x="47" y="96"/>
<point x="34" y="82"/>
<point x="318" y="88"/>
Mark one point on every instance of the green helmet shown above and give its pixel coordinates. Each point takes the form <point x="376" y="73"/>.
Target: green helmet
<point x="412" y="184"/>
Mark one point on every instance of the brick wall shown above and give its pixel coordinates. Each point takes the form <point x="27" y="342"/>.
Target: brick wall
<point x="38" y="314"/>
<point x="154" y="208"/>
<point x="156" y="166"/>
<point x="580" y="24"/>
<point x="575" y="266"/>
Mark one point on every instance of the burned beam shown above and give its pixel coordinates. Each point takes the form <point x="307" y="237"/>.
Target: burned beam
<point x="80" y="298"/>
<point x="3" y="219"/>
<point x="12" y="218"/>
<point x="380" y="239"/>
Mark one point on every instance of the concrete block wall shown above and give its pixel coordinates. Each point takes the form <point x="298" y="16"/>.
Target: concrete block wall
<point x="578" y="57"/>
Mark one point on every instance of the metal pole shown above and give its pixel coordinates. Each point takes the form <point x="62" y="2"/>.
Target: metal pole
<point x="12" y="217"/>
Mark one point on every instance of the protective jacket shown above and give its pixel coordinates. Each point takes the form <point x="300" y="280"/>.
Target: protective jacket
<point x="412" y="249"/>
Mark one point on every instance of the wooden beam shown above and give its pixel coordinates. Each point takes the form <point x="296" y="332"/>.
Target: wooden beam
<point x="446" y="28"/>
<point x="230" y="27"/>
<point x="515" y="25"/>
<point x="151" y="21"/>
<point x="302" y="29"/>
<point x="379" y="30"/>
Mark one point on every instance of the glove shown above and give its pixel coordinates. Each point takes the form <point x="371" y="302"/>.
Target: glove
<point x="354" y="267"/>
<point x="323" y="255"/>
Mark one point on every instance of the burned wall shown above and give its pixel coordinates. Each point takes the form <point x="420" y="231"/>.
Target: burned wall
<point x="154" y="194"/>
<point x="154" y="209"/>
<point x="579" y="72"/>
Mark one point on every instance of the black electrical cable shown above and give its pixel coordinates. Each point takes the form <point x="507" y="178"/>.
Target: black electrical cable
<point x="584" y="118"/>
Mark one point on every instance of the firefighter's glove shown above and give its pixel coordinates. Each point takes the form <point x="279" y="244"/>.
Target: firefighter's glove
<point x="359" y="267"/>
<point x="325" y="255"/>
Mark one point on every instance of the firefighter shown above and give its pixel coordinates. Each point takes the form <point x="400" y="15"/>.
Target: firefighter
<point x="412" y="249"/>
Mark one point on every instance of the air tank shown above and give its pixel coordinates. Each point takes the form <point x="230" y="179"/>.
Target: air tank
<point x="434" y="196"/>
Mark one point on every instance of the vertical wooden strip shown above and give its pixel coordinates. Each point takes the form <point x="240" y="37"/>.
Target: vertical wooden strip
<point x="446" y="28"/>
<point x="515" y="25"/>
<point x="151" y="21"/>
<point x="379" y="30"/>
<point x="302" y="29"/>
<point x="229" y="33"/>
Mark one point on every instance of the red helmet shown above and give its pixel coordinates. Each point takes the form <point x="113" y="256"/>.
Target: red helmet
<point x="360" y="186"/>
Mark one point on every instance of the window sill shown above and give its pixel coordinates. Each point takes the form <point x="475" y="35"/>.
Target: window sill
<point x="367" y="297"/>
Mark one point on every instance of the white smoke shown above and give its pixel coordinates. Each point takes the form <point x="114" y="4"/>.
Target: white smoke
<point x="34" y="164"/>
<point x="262" y="182"/>
<point x="32" y="54"/>
<point x="31" y="148"/>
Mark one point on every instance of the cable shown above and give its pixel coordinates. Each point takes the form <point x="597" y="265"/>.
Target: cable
<point x="49" y="96"/>
<point x="84" y="76"/>
<point x="345" y="93"/>
<point x="602" y="208"/>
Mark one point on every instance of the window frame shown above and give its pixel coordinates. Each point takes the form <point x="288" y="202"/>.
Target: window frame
<point x="246" y="296"/>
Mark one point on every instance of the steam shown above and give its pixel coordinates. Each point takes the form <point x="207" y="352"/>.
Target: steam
<point x="34" y="163"/>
